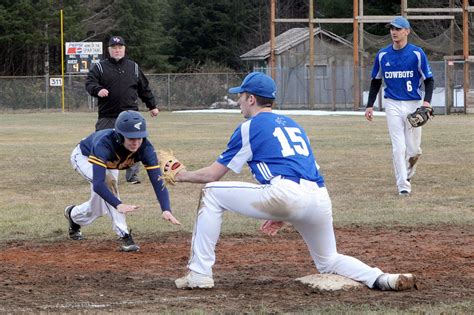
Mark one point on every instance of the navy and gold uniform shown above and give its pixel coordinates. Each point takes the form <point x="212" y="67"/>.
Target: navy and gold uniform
<point x="104" y="150"/>
<point x="98" y="158"/>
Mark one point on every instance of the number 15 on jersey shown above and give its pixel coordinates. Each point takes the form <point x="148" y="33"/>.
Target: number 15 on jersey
<point x="291" y="141"/>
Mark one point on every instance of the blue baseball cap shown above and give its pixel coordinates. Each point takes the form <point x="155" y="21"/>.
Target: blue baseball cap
<point x="257" y="83"/>
<point x="400" y="22"/>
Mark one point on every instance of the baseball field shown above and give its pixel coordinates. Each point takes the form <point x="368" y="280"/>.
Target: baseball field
<point x="430" y="233"/>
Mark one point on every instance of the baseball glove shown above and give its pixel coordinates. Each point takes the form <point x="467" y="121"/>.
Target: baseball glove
<point x="170" y="166"/>
<point x="420" y="116"/>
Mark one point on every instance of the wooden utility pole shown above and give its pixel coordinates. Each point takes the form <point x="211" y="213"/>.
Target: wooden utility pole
<point x="361" y="49"/>
<point x="272" y="39"/>
<point x="403" y="7"/>
<point x="451" y="30"/>
<point x="355" y="24"/>
<point x="449" y="69"/>
<point x="465" y="49"/>
<point x="312" y="100"/>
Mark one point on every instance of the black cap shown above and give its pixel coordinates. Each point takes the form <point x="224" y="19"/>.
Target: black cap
<point x="116" y="40"/>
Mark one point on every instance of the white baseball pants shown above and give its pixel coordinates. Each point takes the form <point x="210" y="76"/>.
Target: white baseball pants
<point x="306" y="206"/>
<point x="406" y="140"/>
<point x="95" y="207"/>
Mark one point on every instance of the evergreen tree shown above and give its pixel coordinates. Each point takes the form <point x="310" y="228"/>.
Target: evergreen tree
<point x="207" y="30"/>
<point x="140" y="23"/>
<point x="29" y="29"/>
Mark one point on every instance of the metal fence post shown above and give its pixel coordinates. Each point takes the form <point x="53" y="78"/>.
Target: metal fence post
<point x="169" y="91"/>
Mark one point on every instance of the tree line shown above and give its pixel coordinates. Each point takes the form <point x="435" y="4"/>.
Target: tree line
<point x="161" y="35"/>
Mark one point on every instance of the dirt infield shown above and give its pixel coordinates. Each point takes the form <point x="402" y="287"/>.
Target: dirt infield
<point x="252" y="274"/>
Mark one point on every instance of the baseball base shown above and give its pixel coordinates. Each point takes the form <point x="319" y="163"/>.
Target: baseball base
<point x="329" y="282"/>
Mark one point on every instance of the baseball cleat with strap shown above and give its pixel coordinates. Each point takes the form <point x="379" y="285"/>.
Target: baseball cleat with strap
<point x="74" y="228"/>
<point x="128" y="245"/>
<point x="194" y="280"/>
<point x="395" y="282"/>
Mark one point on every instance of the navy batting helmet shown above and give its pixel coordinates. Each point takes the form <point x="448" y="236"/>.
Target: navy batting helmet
<point x="131" y="124"/>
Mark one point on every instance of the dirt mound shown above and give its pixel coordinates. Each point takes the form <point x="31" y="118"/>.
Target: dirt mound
<point x="251" y="273"/>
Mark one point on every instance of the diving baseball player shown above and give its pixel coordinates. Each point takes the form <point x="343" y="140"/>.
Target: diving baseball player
<point x="98" y="158"/>
<point x="403" y="67"/>
<point x="291" y="189"/>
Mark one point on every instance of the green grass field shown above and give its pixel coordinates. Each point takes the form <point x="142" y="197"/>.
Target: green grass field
<point x="355" y="156"/>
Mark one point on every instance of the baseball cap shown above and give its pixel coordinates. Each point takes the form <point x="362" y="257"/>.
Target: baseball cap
<point x="400" y="22"/>
<point x="116" y="40"/>
<point x="257" y="83"/>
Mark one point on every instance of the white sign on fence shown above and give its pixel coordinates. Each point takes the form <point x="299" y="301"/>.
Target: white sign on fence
<point x="55" y="82"/>
<point x="84" y="48"/>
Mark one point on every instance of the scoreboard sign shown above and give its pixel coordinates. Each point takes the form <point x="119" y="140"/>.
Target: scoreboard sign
<point x="81" y="56"/>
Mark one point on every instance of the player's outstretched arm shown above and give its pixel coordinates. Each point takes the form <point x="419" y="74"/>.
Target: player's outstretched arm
<point x="207" y="174"/>
<point x="123" y="208"/>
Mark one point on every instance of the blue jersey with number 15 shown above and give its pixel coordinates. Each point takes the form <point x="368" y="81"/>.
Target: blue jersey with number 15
<point x="403" y="71"/>
<point x="271" y="145"/>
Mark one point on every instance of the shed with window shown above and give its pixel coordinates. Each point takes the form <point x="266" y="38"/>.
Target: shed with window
<point x="333" y="68"/>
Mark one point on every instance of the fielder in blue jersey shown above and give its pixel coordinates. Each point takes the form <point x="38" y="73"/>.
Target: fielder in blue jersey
<point x="403" y="68"/>
<point x="98" y="158"/>
<point x="291" y="189"/>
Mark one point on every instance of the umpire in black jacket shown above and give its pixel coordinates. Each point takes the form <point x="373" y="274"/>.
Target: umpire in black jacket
<point x="118" y="82"/>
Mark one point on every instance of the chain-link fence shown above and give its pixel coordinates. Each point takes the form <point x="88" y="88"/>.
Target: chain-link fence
<point x="334" y="89"/>
<point x="173" y="92"/>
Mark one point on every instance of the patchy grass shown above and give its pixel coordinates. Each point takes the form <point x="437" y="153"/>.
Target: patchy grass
<point x="355" y="156"/>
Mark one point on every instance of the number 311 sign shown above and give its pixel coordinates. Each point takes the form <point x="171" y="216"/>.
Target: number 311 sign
<point x="81" y="56"/>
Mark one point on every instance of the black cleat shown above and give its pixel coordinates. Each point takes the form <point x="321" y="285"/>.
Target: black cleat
<point x="74" y="228"/>
<point x="404" y="193"/>
<point x="128" y="245"/>
<point x="134" y="180"/>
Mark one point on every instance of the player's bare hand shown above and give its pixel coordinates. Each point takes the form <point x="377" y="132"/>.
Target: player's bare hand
<point x="103" y="93"/>
<point x="168" y="216"/>
<point x="154" y="112"/>
<point x="123" y="208"/>
<point x="271" y="228"/>
<point x="180" y="176"/>
<point x="369" y="113"/>
<point x="426" y="104"/>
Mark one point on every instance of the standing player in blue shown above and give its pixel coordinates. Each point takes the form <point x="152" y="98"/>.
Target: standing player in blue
<point x="403" y="67"/>
<point x="98" y="158"/>
<point x="291" y="190"/>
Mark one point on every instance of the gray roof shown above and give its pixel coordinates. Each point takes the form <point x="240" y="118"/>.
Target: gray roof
<point x="287" y="40"/>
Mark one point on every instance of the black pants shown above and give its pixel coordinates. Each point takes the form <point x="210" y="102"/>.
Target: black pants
<point x="109" y="123"/>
